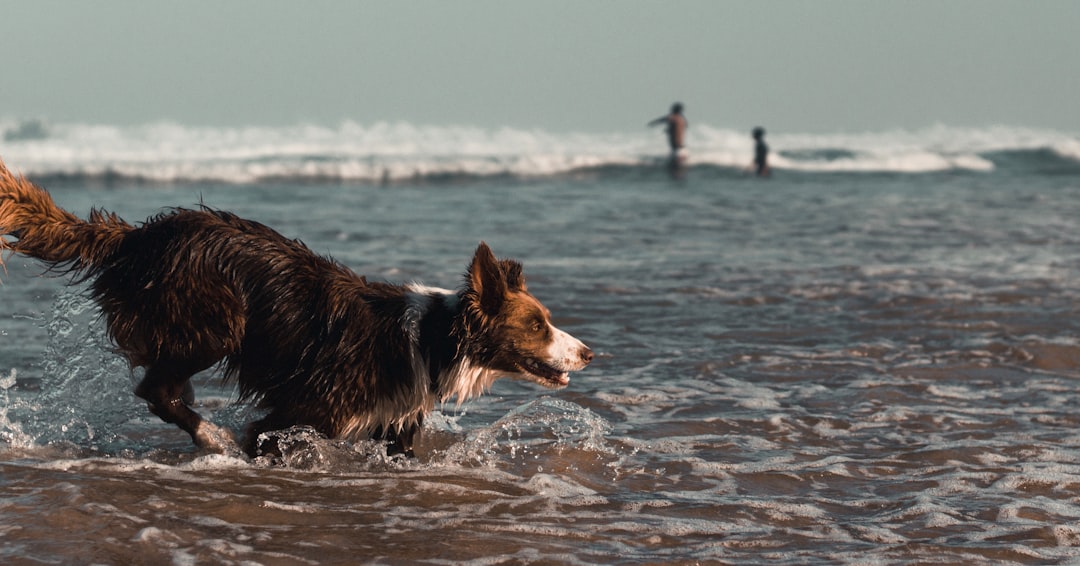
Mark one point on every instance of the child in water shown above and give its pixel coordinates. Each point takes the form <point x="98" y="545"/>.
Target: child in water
<point x="761" y="153"/>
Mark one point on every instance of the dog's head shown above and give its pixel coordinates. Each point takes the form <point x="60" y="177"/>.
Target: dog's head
<point x="513" y="330"/>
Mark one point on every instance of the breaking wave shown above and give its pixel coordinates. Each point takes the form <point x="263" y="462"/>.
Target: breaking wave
<point x="393" y="152"/>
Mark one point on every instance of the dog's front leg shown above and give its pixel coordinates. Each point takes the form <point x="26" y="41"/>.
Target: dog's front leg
<point x="165" y="389"/>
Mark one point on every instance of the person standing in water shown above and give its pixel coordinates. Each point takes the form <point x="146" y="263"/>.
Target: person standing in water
<point x="676" y="131"/>
<point x="761" y="153"/>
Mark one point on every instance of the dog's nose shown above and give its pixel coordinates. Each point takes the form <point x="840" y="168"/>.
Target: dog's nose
<point x="586" y="354"/>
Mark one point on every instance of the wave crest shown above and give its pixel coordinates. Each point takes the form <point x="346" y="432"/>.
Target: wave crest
<point x="167" y="152"/>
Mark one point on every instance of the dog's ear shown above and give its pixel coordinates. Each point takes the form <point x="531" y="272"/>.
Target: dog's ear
<point x="515" y="279"/>
<point x="487" y="280"/>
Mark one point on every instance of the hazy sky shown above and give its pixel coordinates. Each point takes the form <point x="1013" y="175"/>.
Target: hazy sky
<point x="580" y="65"/>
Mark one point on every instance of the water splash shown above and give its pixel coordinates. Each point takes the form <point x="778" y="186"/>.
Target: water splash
<point x="537" y="428"/>
<point x="85" y="388"/>
<point x="11" y="432"/>
<point x="528" y="436"/>
<point x="303" y="448"/>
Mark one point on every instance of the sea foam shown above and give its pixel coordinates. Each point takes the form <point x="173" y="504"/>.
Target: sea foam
<point x="167" y="152"/>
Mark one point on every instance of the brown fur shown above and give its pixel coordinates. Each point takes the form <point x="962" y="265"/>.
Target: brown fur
<point x="309" y="339"/>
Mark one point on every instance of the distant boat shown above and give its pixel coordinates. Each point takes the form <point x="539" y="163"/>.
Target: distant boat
<point x="27" y="130"/>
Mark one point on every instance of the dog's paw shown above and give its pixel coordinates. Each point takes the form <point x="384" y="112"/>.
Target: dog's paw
<point x="213" y="438"/>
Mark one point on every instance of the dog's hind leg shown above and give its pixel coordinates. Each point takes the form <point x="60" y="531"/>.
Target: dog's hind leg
<point x="166" y="389"/>
<point x="400" y="442"/>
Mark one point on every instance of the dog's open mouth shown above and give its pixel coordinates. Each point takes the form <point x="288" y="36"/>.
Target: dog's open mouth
<point x="544" y="374"/>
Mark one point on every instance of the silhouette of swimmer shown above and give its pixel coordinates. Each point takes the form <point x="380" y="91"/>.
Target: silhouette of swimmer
<point x="676" y="131"/>
<point x="761" y="153"/>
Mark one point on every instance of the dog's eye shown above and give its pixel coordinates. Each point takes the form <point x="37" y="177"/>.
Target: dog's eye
<point x="537" y="326"/>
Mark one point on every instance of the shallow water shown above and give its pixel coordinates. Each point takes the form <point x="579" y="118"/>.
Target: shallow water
<point x="817" y="368"/>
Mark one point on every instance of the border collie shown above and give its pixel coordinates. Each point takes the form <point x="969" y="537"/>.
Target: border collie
<point x="301" y="334"/>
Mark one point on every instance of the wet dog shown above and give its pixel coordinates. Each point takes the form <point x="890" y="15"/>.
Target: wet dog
<point x="301" y="334"/>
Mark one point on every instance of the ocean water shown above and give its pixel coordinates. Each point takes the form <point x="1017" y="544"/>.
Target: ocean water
<point x="872" y="357"/>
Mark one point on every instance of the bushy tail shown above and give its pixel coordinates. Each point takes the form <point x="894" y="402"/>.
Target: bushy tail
<point x="50" y="233"/>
